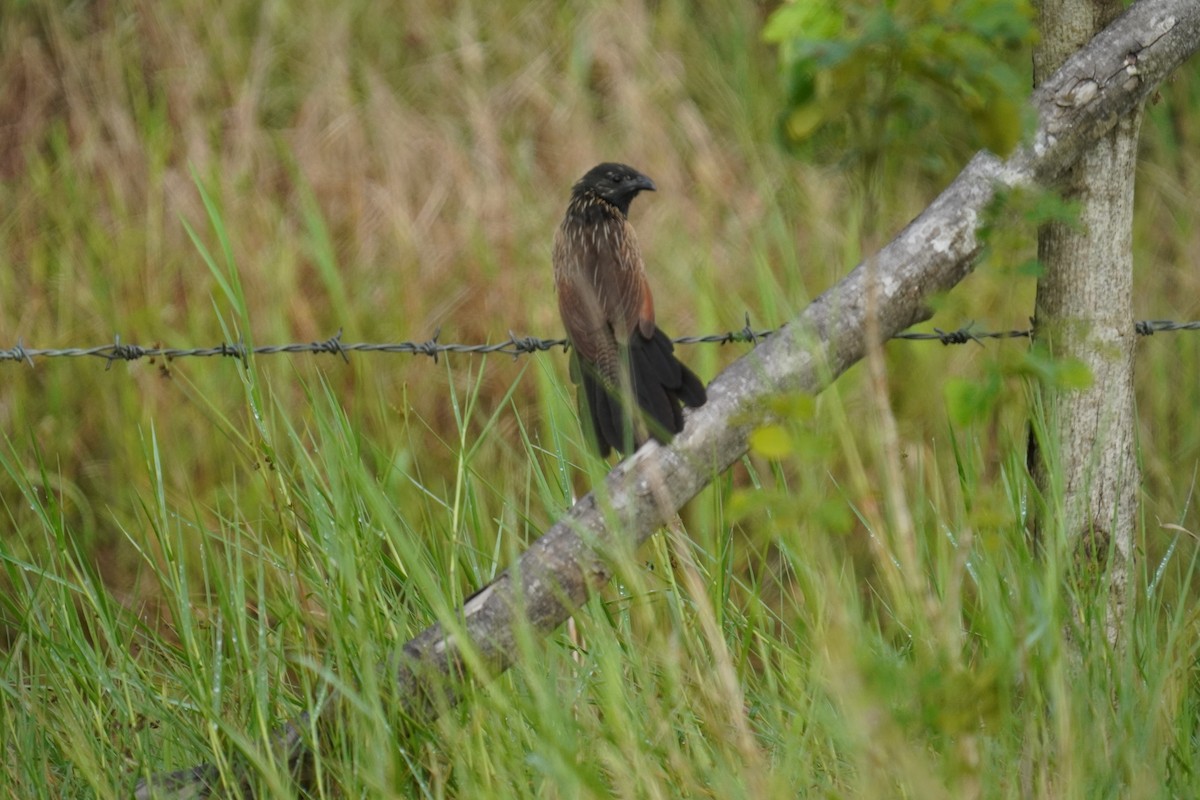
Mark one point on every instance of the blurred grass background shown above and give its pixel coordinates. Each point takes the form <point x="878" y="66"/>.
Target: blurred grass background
<point x="193" y="549"/>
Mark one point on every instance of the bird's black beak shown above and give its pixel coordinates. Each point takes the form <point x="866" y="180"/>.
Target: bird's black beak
<point x="644" y="184"/>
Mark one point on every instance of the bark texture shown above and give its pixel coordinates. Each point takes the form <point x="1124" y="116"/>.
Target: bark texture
<point x="1084" y="311"/>
<point x="1081" y="103"/>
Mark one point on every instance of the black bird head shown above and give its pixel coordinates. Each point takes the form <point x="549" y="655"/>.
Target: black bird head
<point x="617" y="184"/>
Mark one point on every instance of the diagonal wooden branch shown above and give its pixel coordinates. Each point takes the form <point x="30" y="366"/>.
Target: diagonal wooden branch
<point x="1107" y="79"/>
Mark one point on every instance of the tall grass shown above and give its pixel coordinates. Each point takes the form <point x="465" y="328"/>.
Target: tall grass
<point x="195" y="551"/>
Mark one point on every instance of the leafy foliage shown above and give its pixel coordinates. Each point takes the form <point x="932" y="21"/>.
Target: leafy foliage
<point x="866" y="80"/>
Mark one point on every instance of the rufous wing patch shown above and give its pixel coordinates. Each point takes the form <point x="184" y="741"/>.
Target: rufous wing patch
<point x="646" y="312"/>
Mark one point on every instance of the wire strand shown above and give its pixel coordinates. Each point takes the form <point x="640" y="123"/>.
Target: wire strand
<point x="514" y="345"/>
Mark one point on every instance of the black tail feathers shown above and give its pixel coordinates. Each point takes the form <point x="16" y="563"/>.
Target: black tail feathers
<point x="661" y="384"/>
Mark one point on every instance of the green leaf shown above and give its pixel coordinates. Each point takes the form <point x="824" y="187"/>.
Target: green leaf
<point x="803" y="121"/>
<point x="1057" y="373"/>
<point x="810" y="19"/>
<point x="772" y="441"/>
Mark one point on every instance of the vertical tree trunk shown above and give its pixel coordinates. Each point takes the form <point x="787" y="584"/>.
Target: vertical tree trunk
<point x="1084" y="311"/>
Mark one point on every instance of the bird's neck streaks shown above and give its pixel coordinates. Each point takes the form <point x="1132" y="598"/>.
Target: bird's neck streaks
<point x="595" y="223"/>
<point x="590" y="208"/>
<point x="596" y="226"/>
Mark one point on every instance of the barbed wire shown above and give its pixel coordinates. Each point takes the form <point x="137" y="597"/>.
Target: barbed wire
<point x="514" y="345"/>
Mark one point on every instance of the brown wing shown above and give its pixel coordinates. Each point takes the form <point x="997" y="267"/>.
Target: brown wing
<point x="579" y="303"/>
<point x="636" y="305"/>
<point x="602" y="291"/>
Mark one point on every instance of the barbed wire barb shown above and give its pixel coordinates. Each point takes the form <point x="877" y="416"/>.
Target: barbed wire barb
<point x="514" y="345"/>
<point x="19" y="353"/>
<point x="334" y="345"/>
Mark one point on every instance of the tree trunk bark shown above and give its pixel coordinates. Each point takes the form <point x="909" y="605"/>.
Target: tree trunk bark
<point x="1084" y="311"/>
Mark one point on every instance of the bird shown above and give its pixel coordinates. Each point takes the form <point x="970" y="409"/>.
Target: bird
<point x="629" y="384"/>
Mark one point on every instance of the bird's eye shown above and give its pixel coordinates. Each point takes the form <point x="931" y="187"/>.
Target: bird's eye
<point x="617" y="177"/>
